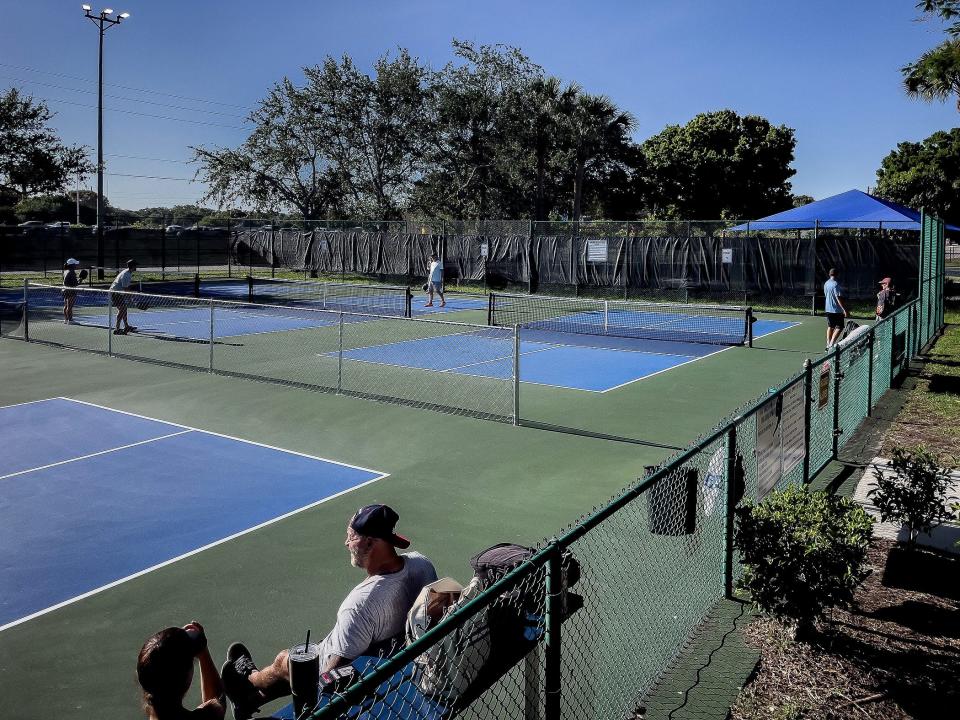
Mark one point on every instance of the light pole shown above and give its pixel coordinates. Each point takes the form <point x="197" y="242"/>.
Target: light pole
<point x="104" y="22"/>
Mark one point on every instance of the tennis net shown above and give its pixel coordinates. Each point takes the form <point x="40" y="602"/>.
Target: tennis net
<point x="711" y="324"/>
<point x="373" y="299"/>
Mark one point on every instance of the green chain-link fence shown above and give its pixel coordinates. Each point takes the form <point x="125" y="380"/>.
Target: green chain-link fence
<point x="653" y="561"/>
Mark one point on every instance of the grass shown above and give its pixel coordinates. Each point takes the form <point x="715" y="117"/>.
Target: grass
<point x="895" y="652"/>
<point x="931" y="415"/>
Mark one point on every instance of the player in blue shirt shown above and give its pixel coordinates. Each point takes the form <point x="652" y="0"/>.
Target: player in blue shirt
<point x="835" y="310"/>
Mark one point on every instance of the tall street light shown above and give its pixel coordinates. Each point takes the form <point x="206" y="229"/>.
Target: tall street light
<point x="104" y="22"/>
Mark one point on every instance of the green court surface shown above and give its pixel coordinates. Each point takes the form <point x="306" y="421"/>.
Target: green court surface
<point x="460" y="484"/>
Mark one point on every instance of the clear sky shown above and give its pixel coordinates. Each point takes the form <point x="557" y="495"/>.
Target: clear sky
<point x="186" y="73"/>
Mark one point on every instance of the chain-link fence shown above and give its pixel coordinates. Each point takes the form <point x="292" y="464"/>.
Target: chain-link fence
<point x="452" y="367"/>
<point x="651" y="563"/>
<point x="663" y="261"/>
<point x="589" y="624"/>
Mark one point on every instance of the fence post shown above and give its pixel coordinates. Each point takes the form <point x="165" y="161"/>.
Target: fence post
<point x="340" y="355"/>
<point x="870" y="372"/>
<point x="109" y="324"/>
<point x="26" y="309"/>
<point x="731" y="503"/>
<point x="163" y="252"/>
<point x="554" y="621"/>
<point x="516" y="374"/>
<point x="837" y="376"/>
<point x="229" y="249"/>
<point x="807" y="411"/>
<point x="211" y="335"/>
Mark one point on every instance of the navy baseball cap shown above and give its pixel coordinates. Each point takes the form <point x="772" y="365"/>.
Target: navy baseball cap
<point x="378" y="521"/>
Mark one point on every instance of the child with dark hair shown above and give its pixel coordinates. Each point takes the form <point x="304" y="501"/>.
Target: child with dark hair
<point x="165" y="671"/>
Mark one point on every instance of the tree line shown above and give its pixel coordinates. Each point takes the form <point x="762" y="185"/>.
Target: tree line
<point x="490" y="135"/>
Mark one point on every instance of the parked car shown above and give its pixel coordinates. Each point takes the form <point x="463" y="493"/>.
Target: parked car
<point x="174" y="228"/>
<point x="58" y="224"/>
<point x="31" y="224"/>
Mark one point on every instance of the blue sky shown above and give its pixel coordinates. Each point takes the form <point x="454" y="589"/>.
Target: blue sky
<point x="827" y="69"/>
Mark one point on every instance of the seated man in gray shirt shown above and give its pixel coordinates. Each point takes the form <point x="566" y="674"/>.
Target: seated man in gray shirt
<point x="373" y="613"/>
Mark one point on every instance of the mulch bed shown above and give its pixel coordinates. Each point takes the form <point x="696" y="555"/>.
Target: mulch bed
<point x="894" y="654"/>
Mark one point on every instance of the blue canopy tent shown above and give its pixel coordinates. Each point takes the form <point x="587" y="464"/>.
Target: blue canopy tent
<point x="850" y="209"/>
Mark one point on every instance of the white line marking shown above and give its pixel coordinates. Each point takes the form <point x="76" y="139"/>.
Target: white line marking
<point x="28" y="402"/>
<point x="228" y="437"/>
<point x="152" y="568"/>
<point x="102" y="452"/>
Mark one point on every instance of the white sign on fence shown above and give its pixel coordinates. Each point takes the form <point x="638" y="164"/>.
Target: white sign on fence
<point x="484" y="250"/>
<point x="726" y="255"/>
<point x="596" y="250"/>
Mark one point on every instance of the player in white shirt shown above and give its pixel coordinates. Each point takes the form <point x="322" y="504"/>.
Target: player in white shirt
<point x="435" y="281"/>
<point x="119" y="300"/>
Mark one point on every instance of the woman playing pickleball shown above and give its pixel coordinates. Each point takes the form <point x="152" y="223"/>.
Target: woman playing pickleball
<point x="165" y="671"/>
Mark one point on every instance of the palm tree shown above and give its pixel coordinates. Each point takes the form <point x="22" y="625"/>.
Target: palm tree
<point x="936" y="74"/>
<point x="599" y="130"/>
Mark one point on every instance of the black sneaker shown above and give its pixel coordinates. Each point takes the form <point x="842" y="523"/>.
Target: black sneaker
<point x="235" y="674"/>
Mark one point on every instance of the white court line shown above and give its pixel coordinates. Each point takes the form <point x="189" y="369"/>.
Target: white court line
<point x="102" y="452"/>
<point x="152" y="568"/>
<point x="28" y="402"/>
<point x="227" y="437"/>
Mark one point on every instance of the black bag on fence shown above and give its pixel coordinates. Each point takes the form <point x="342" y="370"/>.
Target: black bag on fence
<point x="467" y="661"/>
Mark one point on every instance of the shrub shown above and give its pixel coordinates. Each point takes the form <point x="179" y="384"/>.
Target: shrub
<point x="915" y="493"/>
<point x="803" y="552"/>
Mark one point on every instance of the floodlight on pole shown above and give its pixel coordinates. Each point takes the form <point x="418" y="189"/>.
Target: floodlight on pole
<point x="103" y="24"/>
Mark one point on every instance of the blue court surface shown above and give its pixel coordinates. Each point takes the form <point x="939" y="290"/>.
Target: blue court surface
<point x="575" y="362"/>
<point x="193" y="323"/>
<point x="91" y="496"/>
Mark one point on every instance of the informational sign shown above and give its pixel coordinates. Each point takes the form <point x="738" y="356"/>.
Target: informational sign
<point x="824" y="396"/>
<point x="780" y="445"/>
<point x="484" y="250"/>
<point x="726" y="256"/>
<point x="596" y="250"/>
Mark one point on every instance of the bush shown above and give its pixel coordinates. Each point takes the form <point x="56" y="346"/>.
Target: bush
<point x="803" y="552"/>
<point x="915" y="493"/>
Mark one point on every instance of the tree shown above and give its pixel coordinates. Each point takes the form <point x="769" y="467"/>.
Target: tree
<point x="33" y="159"/>
<point x="473" y="169"/>
<point x="801" y="200"/>
<point x="924" y="174"/>
<point x="599" y="133"/>
<point x="720" y="165"/>
<point x="284" y="163"/>
<point x="935" y="75"/>
<point x="56" y="207"/>
<point x="376" y="125"/>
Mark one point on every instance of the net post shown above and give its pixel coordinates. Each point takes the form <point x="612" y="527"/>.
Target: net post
<point x="250" y="288"/>
<point x="490" y="309"/>
<point x="196" y="285"/>
<point x="26" y="309"/>
<point x="807" y="409"/>
<point x="211" y="335"/>
<point x="554" y="592"/>
<point x="731" y="504"/>
<point x="750" y="320"/>
<point x="408" y="303"/>
<point x="340" y="355"/>
<point x="516" y="374"/>
<point x="606" y="317"/>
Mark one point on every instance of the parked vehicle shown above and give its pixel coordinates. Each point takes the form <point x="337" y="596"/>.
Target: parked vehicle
<point x="31" y="224"/>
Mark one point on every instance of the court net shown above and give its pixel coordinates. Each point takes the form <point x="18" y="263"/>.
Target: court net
<point x="711" y="324"/>
<point x="394" y="301"/>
